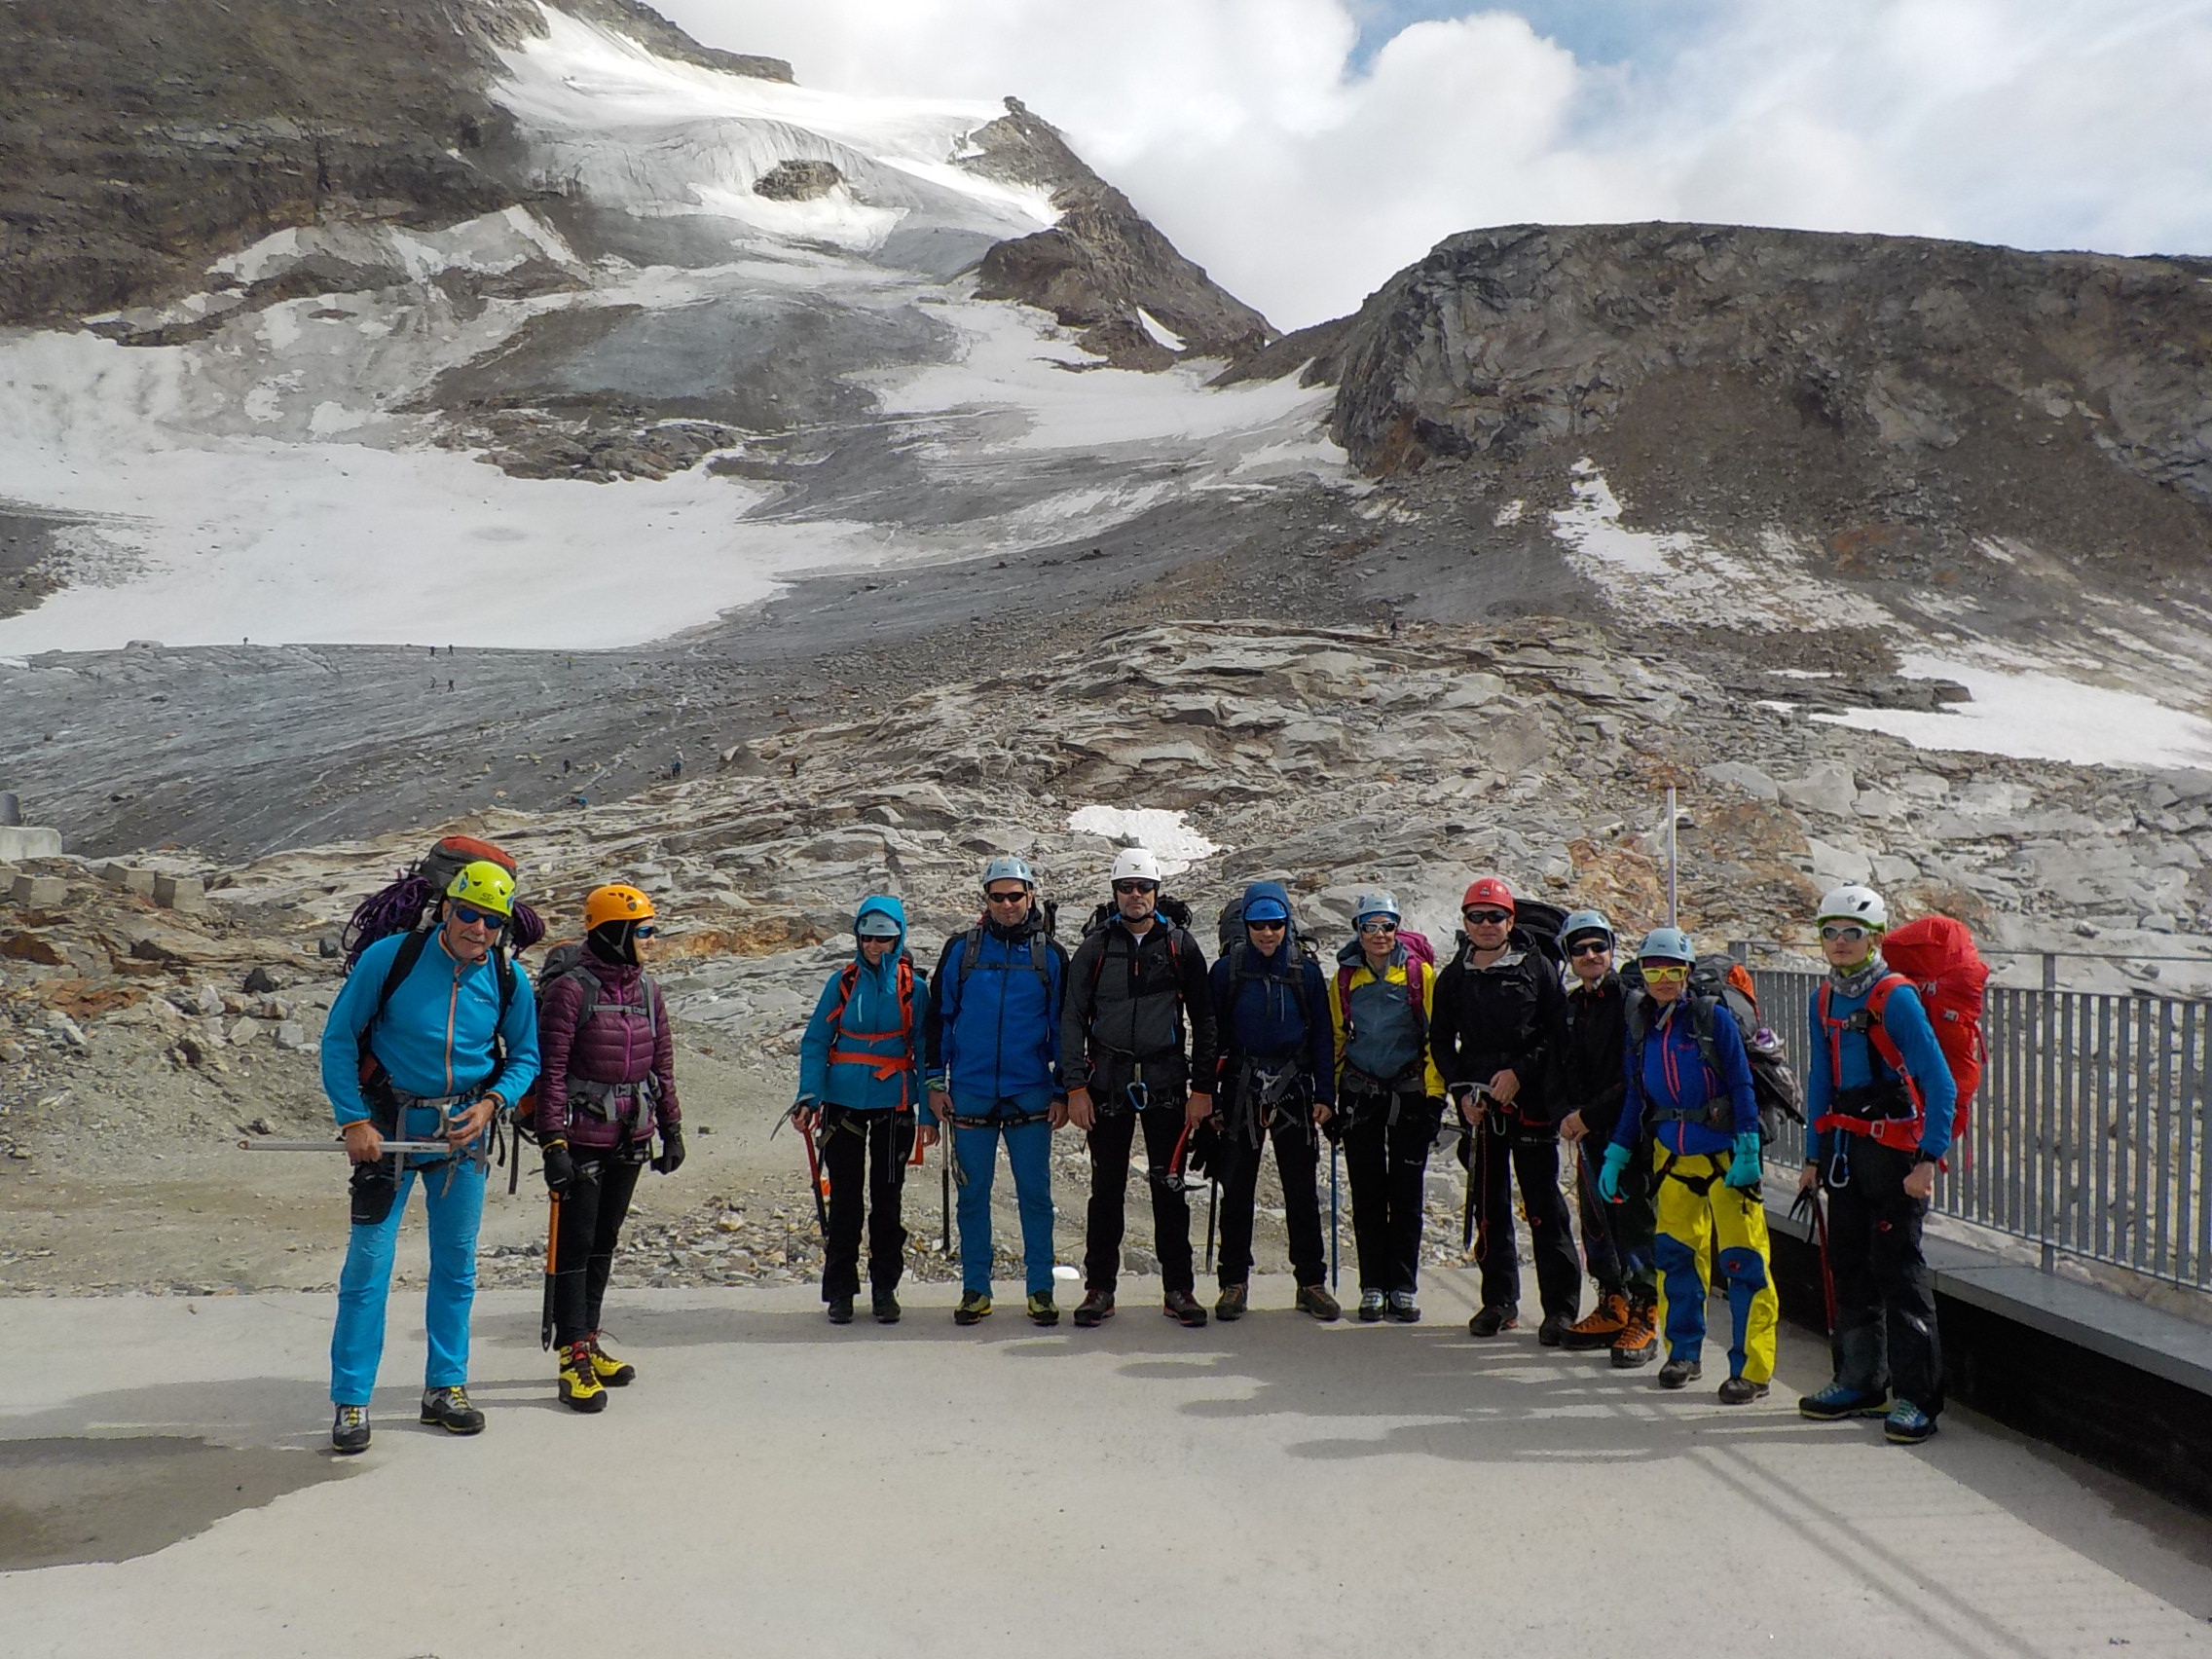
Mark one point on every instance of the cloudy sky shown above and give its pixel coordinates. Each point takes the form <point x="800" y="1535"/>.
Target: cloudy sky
<point x="1302" y="150"/>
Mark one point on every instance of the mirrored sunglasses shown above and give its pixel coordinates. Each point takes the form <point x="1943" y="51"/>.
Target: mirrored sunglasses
<point x="1378" y="927"/>
<point x="1843" y="935"/>
<point x="469" y="916"/>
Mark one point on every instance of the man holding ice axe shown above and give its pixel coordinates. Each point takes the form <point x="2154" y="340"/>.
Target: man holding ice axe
<point x="434" y="1031"/>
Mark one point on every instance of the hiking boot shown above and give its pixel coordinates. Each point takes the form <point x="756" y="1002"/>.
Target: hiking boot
<point x="1837" y="1402"/>
<point x="886" y="1306"/>
<point x="449" y="1410"/>
<point x="1403" y="1308"/>
<point x="1489" y="1321"/>
<point x="1043" y="1310"/>
<point x="1231" y="1302"/>
<point x="1094" y="1310"/>
<point x="1741" y="1392"/>
<point x="1680" y="1373"/>
<point x="1183" y="1308"/>
<point x="614" y="1373"/>
<point x="1372" y="1304"/>
<point x="975" y="1307"/>
<point x="1552" y="1333"/>
<point x="579" y="1385"/>
<point x="1315" y="1300"/>
<point x="1638" y="1340"/>
<point x="1600" y="1327"/>
<point x="1907" y="1424"/>
<point x="841" y="1309"/>
<point x="350" y="1431"/>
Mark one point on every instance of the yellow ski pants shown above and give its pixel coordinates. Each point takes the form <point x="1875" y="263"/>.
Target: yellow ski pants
<point x="1707" y="1228"/>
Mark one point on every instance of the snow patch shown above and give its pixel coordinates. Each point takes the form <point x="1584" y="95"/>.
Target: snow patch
<point x="1682" y="579"/>
<point x="2032" y="715"/>
<point x="1162" y="334"/>
<point x="1161" y="833"/>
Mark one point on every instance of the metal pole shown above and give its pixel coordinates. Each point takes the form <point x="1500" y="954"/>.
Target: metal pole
<point x="2051" y="970"/>
<point x="1674" y="862"/>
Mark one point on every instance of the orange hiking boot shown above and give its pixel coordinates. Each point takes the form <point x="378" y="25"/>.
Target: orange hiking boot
<point x="1638" y="1340"/>
<point x="1598" y="1328"/>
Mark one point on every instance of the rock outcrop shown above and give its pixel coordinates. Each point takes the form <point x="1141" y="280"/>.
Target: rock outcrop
<point x="1104" y="268"/>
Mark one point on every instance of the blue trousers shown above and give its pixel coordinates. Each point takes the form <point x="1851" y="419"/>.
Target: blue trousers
<point x="1028" y="1153"/>
<point x="356" y="1346"/>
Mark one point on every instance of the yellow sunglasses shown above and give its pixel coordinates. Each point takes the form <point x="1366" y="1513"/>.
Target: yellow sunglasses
<point x="1656" y="973"/>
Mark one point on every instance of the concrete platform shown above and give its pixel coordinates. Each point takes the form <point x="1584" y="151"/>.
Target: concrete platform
<point x="774" y="1486"/>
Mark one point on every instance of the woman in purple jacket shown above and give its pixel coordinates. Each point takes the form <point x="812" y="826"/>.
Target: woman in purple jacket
<point x="608" y="1081"/>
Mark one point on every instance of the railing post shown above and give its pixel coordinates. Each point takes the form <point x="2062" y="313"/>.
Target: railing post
<point x="2051" y="970"/>
<point x="1741" y="950"/>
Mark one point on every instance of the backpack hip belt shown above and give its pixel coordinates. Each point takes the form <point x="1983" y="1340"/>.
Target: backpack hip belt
<point x="1884" y="1112"/>
<point x="1715" y="1114"/>
<point x="993" y="1120"/>
<point x="613" y="1102"/>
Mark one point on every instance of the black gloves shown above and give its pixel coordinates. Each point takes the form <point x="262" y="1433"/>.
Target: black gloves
<point x="671" y="1158"/>
<point x="560" y="1168"/>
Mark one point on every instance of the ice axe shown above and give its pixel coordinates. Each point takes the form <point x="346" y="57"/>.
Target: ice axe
<point x="552" y="1267"/>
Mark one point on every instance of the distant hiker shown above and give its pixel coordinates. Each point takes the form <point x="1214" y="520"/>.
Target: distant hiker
<point x="1698" y="1109"/>
<point x="1137" y="980"/>
<point x="675" y="767"/>
<point x="608" y="1084"/>
<point x="1879" y="1101"/>
<point x="1277" y="1082"/>
<point x="449" y="684"/>
<point x="1499" y="1009"/>
<point x="860" y="1085"/>
<point x="1389" y="1099"/>
<point x="565" y="768"/>
<point x="1587" y="1085"/>
<point x="992" y="1056"/>
<point x="428" y="1024"/>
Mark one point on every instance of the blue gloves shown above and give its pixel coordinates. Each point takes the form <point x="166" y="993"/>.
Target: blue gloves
<point x="1744" y="1160"/>
<point x="1609" y="1173"/>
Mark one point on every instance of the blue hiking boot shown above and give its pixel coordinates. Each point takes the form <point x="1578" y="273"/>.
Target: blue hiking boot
<point x="1837" y="1402"/>
<point x="1907" y="1424"/>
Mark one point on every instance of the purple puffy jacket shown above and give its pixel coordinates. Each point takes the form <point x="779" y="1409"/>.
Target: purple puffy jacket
<point x="614" y="1047"/>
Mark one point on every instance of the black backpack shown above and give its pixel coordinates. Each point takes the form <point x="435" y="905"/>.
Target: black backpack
<point x="1717" y="981"/>
<point x="1536" y="927"/>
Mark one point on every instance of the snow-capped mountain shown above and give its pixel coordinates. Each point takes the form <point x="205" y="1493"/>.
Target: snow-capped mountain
<point x="724" y="327"/>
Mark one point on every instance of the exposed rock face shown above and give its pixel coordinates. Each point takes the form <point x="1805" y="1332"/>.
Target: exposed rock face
<point x="139" y="142"/>
<point x="2066" y="396"/>
<point x="798" y="181"/>
<point x="1103" y="263"/>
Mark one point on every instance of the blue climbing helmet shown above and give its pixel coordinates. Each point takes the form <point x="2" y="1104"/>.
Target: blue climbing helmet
<point x="1667" y="945"/>
<point x="1008" y="868"/>
<point x="1581" y="923"/>
<point x="1373" y="904"/>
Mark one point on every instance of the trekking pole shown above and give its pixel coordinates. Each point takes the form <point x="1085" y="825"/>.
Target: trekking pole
<point x="1674" y="860"/>
<point x="1213" y="1195"/>
<point x="552" y="1255"/>
<point x="402" y="1148"/>
<point x="944" y="1190"/>
<point x="1336" y="1230"/>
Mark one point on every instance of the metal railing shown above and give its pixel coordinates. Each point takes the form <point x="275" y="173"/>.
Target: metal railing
<point x="2088" y="1135"/>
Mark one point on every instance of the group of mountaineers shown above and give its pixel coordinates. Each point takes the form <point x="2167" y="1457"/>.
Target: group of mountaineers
<point x="1650" y="1067"/>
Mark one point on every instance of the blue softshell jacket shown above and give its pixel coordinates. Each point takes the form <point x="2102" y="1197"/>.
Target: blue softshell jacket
<point x="881" y="1066"/>
<point x="435" y="1035"/>
<point x="1278" y="1005"/>
<point x="1668" y="1069"/>
<point x="1905" y="1018"/>
<point x="994" y="1031"/>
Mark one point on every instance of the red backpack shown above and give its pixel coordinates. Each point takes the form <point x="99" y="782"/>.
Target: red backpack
<point x="1936" y="957"/>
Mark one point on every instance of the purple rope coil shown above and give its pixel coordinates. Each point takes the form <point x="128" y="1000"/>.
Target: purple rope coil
<point x="525" y="928"/>
<point x="400" y="909"/>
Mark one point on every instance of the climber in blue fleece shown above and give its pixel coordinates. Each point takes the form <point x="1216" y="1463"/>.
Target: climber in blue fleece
<point x="1689" y="1086"/>
<point x="860" y="1086"/>
<point x="992" y="1056"/>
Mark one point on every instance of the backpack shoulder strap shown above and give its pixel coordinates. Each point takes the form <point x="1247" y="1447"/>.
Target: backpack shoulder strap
<point x="1039" y="965"/>
<point x="403" y="961"/>
<point x="971" y="951"/>
<point x="1877" y="1032"/>
<point x="848" y="977"/>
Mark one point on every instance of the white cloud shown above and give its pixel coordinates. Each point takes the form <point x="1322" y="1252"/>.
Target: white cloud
<point x="1242" y="129"/>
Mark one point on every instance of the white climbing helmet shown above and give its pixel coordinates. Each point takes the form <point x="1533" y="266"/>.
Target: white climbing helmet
<point x="1852" y="903"/>
<point x="1134" y="863"/>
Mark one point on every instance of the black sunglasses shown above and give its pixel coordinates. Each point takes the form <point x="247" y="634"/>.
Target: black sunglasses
<point x="1013" y="898"/>
<point x="1136" y="886"/>
<point x="1488" y="918"/>
<point x="1266" y="927"/>
<point x="1591" y="947"/>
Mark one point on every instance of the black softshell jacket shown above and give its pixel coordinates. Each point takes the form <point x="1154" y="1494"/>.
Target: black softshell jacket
<point x="1587" y="1074"/>
<point x="1129" y="1002"/>
<point x="1506" y="1014"/>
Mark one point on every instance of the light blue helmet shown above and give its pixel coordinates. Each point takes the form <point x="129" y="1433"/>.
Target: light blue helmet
<point x="1580" y="922"/>
<point x="1667" y="945"/>
<point x="1373" y="904"/>
<point x="1008" y="868"/>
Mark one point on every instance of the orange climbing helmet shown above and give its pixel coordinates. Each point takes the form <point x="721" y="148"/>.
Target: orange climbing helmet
<point x="615" y="904"/>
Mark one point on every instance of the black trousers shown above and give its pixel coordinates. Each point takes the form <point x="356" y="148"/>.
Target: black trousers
<point x="1237" y="1167"/>
<point x="865" y="1153"/>
<point x="592" y="1212"/>
<point x="1530" y="1159"/>
<point x="1618" y="1238"/>
<point x="1884" y="1295"/>
<point x="1112" y="1136"/>
<point x="1388" y="1166"/>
